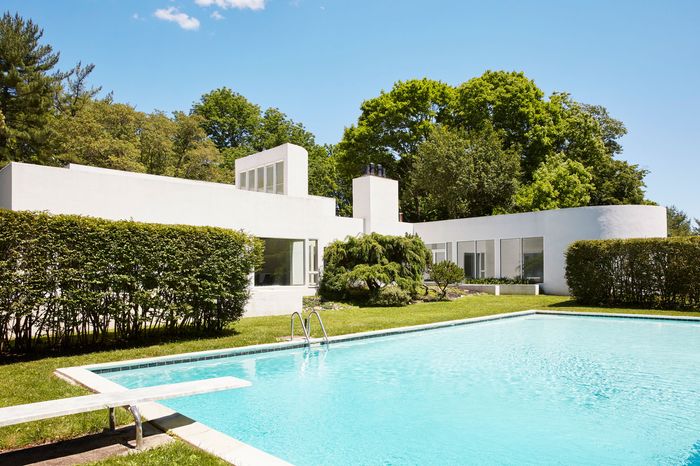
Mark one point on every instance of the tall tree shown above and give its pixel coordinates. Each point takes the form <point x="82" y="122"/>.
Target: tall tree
<point x="229" y="119"/>
<point x="464" y="175"/>
<point x="512" y="103"/>
<point x="27" y="88"/>
<point x="678" y="223"/>
<point x="389" y="131"/>
<point x="557" y="183"/>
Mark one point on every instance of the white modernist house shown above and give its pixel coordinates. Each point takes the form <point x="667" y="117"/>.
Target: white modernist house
<point x="270" y="200"/>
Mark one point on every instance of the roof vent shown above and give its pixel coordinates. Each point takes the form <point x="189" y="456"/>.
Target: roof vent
<point x="376" y="170"/>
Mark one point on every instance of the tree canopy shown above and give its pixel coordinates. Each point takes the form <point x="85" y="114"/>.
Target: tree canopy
<point x="392" y="126"/>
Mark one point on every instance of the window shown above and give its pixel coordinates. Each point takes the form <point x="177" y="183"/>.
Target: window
<point x="283" y="263"/>
<point x="523" y="258"/>
<point x="313" y="262"/>
<point x="510" y="258"/>
<point x="260" y="185"/>
<point x="476" y="258"/>
<point x="485" y="259"/>
<point x="465" y="258"/>
<point x="533" y="259"/>
<point x="269" y="178"/>
<point x="279" y="178"/>
<point x="251" y="180"/>
<point x="441" y="251"/>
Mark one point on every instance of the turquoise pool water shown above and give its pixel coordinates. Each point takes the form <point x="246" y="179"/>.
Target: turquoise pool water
<point x="525" y="390"/>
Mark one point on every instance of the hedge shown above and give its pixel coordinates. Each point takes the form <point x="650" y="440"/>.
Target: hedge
<point x="69" y="281"/>
<point x="661" y="273"/>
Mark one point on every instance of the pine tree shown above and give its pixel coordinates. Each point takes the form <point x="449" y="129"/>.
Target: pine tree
<point x="27" y="89"/>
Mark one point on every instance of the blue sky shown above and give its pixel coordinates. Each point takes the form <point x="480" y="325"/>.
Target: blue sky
<point x="317" y="60"/>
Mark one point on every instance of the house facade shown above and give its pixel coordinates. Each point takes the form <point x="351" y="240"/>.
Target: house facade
<point x="270" y="200"/>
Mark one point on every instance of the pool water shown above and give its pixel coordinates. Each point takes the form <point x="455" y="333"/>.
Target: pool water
<point x="524" y="390"/>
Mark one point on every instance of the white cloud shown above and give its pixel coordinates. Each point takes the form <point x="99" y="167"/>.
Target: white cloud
<point x="240" y="4"/>
<point x="217" y="16"/>
<point x="183" y="20"/>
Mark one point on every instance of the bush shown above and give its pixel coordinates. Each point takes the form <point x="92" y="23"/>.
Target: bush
<point x="444" y="274"/>
<point x="76" y="281"/>
<point x="390" y="295"/>
<point x="359" y="267"/>
<point x="659" y="273"/>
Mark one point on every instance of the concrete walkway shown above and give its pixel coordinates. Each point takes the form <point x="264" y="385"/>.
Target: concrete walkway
<point x="86" y="449"/>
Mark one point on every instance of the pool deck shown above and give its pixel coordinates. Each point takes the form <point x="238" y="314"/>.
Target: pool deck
<point x="231" y="449"/>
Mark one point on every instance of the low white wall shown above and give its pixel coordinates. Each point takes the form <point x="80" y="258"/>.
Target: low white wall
<point x="559" y="228"/>
<point x="507" y="289"/>
<point x="276" y="300"/>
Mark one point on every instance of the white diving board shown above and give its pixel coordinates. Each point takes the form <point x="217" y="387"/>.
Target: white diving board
<point x="82" y="404"/>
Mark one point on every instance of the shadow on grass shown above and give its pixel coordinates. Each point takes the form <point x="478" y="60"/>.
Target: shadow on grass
<point x="153" y="337"/>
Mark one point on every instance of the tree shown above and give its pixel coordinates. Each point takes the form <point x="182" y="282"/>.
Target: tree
<point x="678" y="223"/>
<point x="102" y="134"/>
<point x="229" y="119"/>
<point x="389" y="131"/>
<point x="76" y="92"/>
<point x="157" y="143"/>
<point x="27" y="89"/>
<point x="512" y="103"/>
<point x="196" y="157"/>
<point x="392" y="126"/>
<point x="558" y="183"/>
<point x="444" y="274"/>
<point x="464" y="174"/>
<point x="360" y="267"/>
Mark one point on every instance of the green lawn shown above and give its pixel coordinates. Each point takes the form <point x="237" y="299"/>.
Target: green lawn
<point x="25" y="382"/>
<point x="176" y="453"/>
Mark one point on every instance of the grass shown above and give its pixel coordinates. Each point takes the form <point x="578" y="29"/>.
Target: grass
<point x="177" y="452"/>
<point x="31" y="381"/>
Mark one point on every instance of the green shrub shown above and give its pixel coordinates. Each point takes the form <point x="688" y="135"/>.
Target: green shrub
<point x="661" y="273"/>
<point x="444" y="274"/>
<point x="76" y="281"/>
<point x="390" y="296"/>
<point x="359" y="267"/>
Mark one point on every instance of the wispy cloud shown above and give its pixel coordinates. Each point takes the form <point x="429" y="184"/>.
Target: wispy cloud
<point x="183" y="20"/>
<point x="240" y="4"/>
<point x="217" y="16"/>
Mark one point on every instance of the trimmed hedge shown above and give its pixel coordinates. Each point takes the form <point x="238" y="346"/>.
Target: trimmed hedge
<point x="659" y="273"/>
<point x="76" y="281"/>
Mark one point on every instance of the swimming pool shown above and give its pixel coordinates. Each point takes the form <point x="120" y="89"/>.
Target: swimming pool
<point x="525" y="390"/>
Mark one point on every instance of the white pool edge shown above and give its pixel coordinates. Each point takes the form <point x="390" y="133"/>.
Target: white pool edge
<point x="239" y="453"/>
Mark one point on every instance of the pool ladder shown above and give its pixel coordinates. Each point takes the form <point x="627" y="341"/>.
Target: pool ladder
<point x="306" y="326"/>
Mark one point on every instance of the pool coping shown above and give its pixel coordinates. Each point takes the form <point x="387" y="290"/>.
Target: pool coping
<point x="231" y="449"/>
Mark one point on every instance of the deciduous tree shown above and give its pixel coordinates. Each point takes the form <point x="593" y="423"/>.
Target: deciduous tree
<point x="464" y="174"/>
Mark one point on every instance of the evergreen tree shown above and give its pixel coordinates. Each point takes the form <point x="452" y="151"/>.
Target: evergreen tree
<point x="27" y="89"/>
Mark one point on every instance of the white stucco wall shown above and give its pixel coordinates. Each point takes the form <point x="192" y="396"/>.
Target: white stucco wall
<point x="559" y="228"/>
<point x="376" y="201"/>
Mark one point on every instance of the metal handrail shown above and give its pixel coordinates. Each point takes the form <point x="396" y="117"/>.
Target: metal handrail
<point x="303" y="327"/>
<point x="320" y="321"/>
